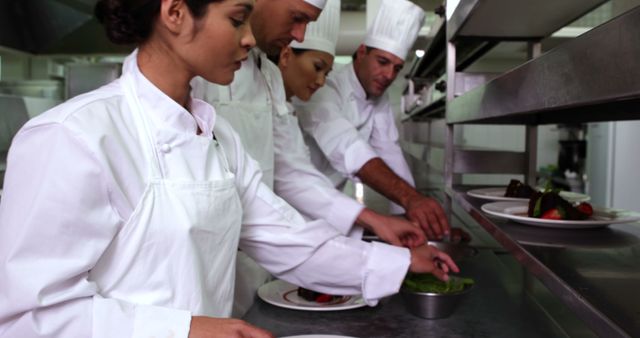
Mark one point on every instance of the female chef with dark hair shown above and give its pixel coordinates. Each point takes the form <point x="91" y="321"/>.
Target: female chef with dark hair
<point x="123" y="208"/>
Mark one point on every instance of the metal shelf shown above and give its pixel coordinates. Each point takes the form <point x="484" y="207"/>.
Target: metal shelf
<point x="432" y="64"/>
<point x="588" y="270"/>
<point x="594" y="77"/>
<point x="514" y="19"/>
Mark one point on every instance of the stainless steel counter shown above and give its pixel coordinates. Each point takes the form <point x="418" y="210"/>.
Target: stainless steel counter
<point x="497" y="307"/>
<point x="594" y="272"/>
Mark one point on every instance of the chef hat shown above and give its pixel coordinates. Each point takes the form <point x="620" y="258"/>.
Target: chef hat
<point x="322" y="34"/>
<point x="317" y="3"/>
<point x="395" y="27"/>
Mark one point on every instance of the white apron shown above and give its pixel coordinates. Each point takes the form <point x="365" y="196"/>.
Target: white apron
<point x="196" y="223"/>
<point x="252" y="118"/>
<point x="253" y="123"/>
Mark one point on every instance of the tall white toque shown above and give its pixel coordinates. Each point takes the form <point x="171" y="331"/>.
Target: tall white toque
<point x="322" y="34"/>
<point x="395" y="27"/>
<point x="318" y="3"/>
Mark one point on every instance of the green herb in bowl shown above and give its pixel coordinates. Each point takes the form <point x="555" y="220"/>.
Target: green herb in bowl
<point x="428" y="283"/>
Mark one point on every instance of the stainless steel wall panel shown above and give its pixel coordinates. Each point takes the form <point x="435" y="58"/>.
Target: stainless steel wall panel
<point x="488" y="162"/>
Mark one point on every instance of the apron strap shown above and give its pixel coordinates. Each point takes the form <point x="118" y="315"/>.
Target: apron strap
<point x="142" y="126"/>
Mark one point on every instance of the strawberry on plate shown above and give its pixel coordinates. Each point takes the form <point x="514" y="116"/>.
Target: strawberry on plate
<point x="585" y="208"/>
<point x="552" y="214"/>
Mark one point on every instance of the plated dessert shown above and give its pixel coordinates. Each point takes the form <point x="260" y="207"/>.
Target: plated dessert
<point x="518" y="191"/>
<point x="553" y="209"/>
<point x="550" y="205"/>
<point x="317" y="297"/>
<point x="287" y="295"/>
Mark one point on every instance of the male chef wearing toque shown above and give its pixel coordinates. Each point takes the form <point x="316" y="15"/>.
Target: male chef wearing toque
<point x="349" y="125"/>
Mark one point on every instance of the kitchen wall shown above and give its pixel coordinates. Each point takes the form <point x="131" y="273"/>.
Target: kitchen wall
<point x="612" y="162"/>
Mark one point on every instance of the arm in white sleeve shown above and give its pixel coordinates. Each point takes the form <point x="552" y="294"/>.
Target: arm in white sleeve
<point x="335" y="135"/>
<point x="384" y="141"/>
<point x="311" y="254"/>
<point x="299" y="183"/>
<point x="56" y="220"/>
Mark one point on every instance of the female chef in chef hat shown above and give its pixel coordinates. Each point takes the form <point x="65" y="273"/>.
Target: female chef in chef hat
<point x="305" y="65"/>
<point x="123" y="208"/>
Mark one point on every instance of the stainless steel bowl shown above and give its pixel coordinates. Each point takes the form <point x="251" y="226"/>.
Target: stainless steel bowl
<point x="457" y="251"/>
<point x="433" y="305"/>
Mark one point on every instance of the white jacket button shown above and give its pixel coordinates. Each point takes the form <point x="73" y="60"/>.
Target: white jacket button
<point x="165" y="148"/>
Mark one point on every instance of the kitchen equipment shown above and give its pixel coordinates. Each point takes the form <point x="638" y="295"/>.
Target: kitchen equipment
<point x="433" y="305"/>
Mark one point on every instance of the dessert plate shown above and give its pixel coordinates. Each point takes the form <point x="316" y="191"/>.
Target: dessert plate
<point x="517" y="211"/>
<point x="497" y="194"/>
<point x="283" y="294"/>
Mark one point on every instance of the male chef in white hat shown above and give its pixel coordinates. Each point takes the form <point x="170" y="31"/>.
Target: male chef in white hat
<point x="253" y="103"/>
<point x="349" y="125"/>
<point x="297" y="180"/>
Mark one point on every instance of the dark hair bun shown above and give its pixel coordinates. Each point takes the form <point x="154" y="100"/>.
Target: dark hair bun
<point x="123" y="24"/>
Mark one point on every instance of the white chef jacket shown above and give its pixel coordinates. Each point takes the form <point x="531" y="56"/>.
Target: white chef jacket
<point x="248" y="103"/>
<point x="76" y="173"/>
<point x="259" y="83"/>
<point x="344" y="129"/>
<point x="303" y="186"/>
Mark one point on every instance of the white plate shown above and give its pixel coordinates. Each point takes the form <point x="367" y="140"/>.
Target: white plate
<point x="497" y="194"/>
<point x="517" y="211"/>
<point x="283" y="294"/>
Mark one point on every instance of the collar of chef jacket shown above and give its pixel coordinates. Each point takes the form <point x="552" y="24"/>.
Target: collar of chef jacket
<point x="167" y="112"/>
<point x="356" y="91"/>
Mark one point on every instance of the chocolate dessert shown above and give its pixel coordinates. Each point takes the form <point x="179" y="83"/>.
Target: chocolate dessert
<point x="518" y="189"/>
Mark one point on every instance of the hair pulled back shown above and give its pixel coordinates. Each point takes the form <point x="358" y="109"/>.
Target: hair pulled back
<point x="131" y="21"/>
<point x="296" y="51"/>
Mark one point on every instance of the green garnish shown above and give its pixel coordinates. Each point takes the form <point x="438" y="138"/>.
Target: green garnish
<point x="562" y="212"/>
<point x="536" y="209"/>
<point x="429" y="283"/>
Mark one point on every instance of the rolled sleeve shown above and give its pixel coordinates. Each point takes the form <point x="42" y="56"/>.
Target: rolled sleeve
<point x="385" y="270"/>
<point x="356" y="155"/>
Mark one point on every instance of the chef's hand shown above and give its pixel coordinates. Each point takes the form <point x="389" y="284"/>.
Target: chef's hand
<point x="428" y="259"/>
<point x="429" y="214"/>
<point x="208" y="327"/>
<point x="399" y="232"/>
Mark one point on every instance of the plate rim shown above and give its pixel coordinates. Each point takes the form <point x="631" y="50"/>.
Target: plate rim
<point x="473" y="193"/>
<point x="357" y="302"/>
<point x="548" y="223"/>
